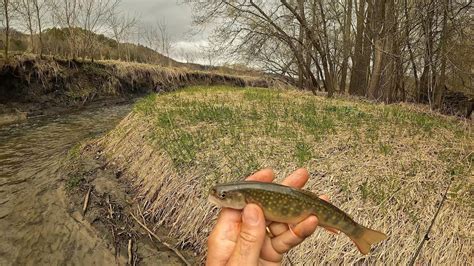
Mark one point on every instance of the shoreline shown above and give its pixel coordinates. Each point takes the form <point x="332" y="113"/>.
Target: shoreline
<point x="101" y="197"/>
<point x="31" y="86"/>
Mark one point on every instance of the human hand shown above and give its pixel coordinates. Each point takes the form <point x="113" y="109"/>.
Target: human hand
<point x="240" y="237"/>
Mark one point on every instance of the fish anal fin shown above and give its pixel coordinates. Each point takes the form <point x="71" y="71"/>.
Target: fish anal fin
<point x="367" y="238"/>
<point x="332" y="230"/>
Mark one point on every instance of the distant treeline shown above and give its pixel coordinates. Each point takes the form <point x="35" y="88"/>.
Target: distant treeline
<point x="56" y="42"/>
<point x="74" y="29"/>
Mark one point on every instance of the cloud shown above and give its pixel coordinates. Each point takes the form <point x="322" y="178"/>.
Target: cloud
<point x="178" y="17"/>
<point x="188" y="42"/>
<point x="191" y="51"/>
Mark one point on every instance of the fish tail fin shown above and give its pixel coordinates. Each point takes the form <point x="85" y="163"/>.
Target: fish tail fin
<point x="367" y="238"/>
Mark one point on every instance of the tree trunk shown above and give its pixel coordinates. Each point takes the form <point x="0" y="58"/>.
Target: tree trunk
<point x="390" y="34"/>
<point x="301" y="37"/>
<point x="426" y="79"/>
<point x="329" y="72"/>
<point x="440" y="87"/>
<point x="374" y="85"/>
<point x="409" y="46"/>
<point x="7" y="28"/>
<point x="358" y="80"/>
<point x="40" y="29"/>
<point x="346" y="46"/>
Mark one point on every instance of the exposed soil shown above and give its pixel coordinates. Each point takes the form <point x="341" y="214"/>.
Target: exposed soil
<point x="31" y="86"/>
<point x="112" y="212"/>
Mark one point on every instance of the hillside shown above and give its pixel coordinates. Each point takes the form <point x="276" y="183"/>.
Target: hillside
<point x="56" y="44"/>
<point x="386" y="165"/>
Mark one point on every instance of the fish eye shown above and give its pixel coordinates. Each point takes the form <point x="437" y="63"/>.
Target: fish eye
<point x="222" y="195"/>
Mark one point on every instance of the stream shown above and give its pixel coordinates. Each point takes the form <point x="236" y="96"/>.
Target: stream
<point x="35" y="226"/>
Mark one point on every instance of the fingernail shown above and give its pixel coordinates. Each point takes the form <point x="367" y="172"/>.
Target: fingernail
<point x="251" y="215"/>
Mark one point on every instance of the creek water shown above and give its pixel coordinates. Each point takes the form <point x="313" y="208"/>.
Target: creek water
<point x="35" y="226"/>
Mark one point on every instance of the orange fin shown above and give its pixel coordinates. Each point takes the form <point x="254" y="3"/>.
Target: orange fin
<point x="332" y="230"/>
<point x="367" y="238"/>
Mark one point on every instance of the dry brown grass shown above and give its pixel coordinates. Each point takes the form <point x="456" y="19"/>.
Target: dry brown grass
<point x="176" y="77"/>
<point x="387" y="166"/>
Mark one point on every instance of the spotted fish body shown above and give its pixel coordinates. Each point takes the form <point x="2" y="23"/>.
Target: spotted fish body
<point x="290" y="205"/>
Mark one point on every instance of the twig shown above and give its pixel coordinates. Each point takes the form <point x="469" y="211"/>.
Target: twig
<point x="111" y="210"/>
<point x="115" y="241"/>
<point x="176" y="251"/>
<point x="86" y="201"/>
<point x="144" y="221"/>
<point x="130" y="254"/>
<point x="427" y="234"/>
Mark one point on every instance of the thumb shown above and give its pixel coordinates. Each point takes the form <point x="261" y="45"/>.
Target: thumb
<point x="251" y="237"/>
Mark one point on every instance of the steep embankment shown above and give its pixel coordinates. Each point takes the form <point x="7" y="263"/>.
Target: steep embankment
<point x="385" y="165"/>
<point x="31" y="86"/>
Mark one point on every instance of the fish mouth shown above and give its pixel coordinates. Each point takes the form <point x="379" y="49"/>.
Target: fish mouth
<point x="214" y="200"/>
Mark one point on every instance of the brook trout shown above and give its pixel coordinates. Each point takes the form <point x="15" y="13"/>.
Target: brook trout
<point x="290" y="205"/>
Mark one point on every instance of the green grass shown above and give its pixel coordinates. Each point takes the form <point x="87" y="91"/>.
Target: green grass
<point x="384" y="164"/>
<point x="74" y="152"/>
<point x="188" y="122"/>
<point x="74" y="181"/>
<point x="303" y="153"/>
<point x="238" y="127"/>
<point x="385" y="149"/>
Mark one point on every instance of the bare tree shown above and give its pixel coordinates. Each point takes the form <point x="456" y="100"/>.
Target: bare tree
<point x="188" y="55"/>
<point x="39" y="6"/>
<point x="165" y="40"/>
<point x="93" y="16"/>
<point x="444" y="39"/>
<point x="65" y="14"/>
<point x="346" y="44"/>
<point x="379" y="31"/>
<point x="151" y="37"/>
<point x="25" y="10"/>
<point x="6" y="18"/>
<point x="121" y="25"/>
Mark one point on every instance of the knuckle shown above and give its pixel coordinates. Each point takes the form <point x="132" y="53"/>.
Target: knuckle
<point x="248" y="237"/>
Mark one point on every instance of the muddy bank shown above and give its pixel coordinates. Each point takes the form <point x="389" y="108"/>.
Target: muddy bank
<point x="99" y="195"/>
<point x="33" y="86"/>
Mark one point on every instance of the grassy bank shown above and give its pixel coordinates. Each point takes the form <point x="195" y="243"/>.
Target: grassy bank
<point x="385" y="165"/>
<point x="33" y="85"/>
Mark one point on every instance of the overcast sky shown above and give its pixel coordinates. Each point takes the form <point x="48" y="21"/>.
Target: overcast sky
<point x="178" y="18"/>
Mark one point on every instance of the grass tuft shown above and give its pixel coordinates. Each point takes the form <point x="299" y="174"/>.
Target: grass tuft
<point x="73" y="182"/>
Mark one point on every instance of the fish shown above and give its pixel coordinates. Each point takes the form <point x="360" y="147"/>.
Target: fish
<point x="290" y="205"/>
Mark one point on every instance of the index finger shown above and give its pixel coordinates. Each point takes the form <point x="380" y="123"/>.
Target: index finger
<point x="265" y="175"/>
<point x="297" y="179"/>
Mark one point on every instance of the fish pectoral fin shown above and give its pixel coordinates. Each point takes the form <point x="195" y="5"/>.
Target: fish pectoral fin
<point x="332" y="230"/>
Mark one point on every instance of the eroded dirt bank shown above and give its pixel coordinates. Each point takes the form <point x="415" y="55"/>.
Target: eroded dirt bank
<point x="33" y="86"/>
